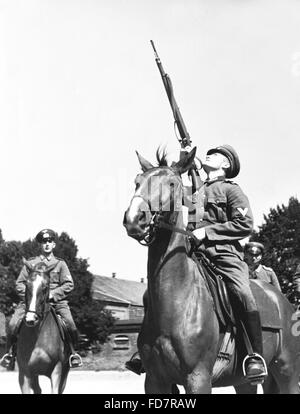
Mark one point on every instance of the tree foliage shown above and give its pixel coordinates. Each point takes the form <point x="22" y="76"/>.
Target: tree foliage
<point x="280" y="234"/>
<point x="90" y="317"/>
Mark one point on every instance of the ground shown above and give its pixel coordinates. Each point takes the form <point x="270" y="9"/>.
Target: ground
<point x="99" y="375"/>
<point x="91" y="382"/>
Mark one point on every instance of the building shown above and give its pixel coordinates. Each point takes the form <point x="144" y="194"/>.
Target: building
<point x="124" y="298"/>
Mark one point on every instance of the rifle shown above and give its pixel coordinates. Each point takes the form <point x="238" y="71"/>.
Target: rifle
<point x="185" y="139"/>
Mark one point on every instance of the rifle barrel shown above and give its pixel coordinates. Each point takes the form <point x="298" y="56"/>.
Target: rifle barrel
<point x="185" y="136"/>
<point x="155" y="52"/>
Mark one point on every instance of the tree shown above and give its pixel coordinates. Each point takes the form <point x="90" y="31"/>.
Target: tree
<point x="10" y="265"/>
<point x="90" y="317"/>
<point x="280" y="234"/>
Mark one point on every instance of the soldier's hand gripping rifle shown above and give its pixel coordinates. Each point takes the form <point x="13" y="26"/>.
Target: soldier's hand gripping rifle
<point x="184" y="139"/>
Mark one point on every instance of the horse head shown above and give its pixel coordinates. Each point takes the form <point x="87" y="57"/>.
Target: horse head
<point x="37" y="292"/>
<point x="158" y="194"/>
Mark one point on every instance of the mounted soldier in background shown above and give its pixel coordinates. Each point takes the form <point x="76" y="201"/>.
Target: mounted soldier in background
<point x="61" y="284"/>
<point x="253" y="257"/>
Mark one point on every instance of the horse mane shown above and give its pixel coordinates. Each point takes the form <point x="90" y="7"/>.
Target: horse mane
<point x="161" y="156"/>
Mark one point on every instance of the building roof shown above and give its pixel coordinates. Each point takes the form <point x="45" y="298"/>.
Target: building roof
<point x="112" y="289"/>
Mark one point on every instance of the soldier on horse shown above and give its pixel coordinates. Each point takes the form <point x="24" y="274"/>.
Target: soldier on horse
<point x="61" y="284"/>
<point x="223" y="218"/>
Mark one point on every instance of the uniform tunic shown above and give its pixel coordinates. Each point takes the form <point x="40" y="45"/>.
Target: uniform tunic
<point x="266" y="274"/>
<point x="61" y="284"/>
<point x="227" y="218"/>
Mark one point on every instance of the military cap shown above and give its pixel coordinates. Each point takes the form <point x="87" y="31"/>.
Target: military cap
<point x="254" y="248"/>
<point x="45" y="234"/>
<point x="232" y="157"/>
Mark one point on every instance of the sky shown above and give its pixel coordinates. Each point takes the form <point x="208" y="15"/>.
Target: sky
<point x="80" y="92"/>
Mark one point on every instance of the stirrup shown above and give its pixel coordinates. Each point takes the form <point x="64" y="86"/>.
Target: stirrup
<point x="75" y="360"/>
<point x="255" y="379"/>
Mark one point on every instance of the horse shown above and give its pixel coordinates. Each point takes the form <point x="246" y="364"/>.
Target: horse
<point x="180" y="336"/>
<point x="41" y="349"/>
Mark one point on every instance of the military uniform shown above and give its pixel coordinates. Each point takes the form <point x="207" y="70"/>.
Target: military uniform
<point x="266" y="274"/>
<point x="227" y="218"/>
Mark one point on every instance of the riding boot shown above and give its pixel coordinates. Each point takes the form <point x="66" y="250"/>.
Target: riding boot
<point x="135" y="364"/>
<point x="74" y="359"/>
<point x="254" y="364"/>
<point x="9" y="358"/>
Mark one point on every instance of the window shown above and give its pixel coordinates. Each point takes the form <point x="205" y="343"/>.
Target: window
<point x="121" y="342"/>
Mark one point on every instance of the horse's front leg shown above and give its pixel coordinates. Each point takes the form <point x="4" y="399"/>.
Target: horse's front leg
<point x="198" y="382"/>
<point x="29" y="385"/>
<point x="56" y="379"/>
<point x="154" y="385"/>
<point x="35" y="385"/>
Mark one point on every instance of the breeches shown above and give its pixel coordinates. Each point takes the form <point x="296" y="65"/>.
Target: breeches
<point x="61" y="308"/>
<point x="235" y="274"/>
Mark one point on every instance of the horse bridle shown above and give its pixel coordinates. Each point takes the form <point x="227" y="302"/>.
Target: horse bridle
<point x="156" y="223"/>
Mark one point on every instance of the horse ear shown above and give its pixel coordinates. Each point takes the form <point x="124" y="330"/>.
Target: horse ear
<point x="186" y="162"/>
<point x="146" y="165"/>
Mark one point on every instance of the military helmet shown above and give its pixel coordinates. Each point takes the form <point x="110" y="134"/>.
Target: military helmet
<point x="232" y="157"/>
<point x="45" y="234"/>
<point x="254" y="248"/>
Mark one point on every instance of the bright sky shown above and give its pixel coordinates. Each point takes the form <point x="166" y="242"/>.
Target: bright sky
<point x="80" y="92"/>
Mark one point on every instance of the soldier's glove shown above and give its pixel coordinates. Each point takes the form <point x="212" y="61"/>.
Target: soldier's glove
<point x="199" y="235"/>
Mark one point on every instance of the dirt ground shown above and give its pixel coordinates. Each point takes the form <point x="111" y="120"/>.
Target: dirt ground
<point x="91" y="382"/>
<point x="99" y="375"/>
